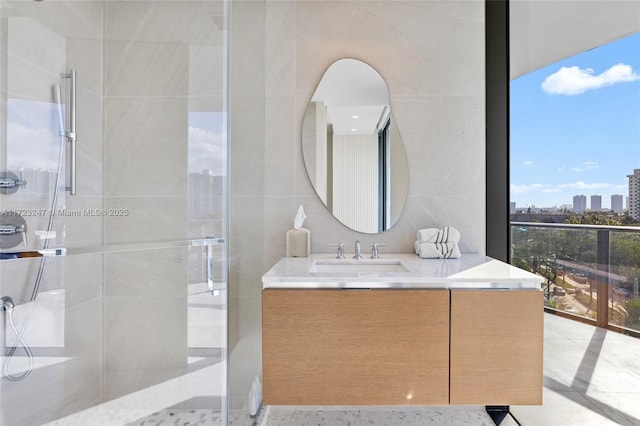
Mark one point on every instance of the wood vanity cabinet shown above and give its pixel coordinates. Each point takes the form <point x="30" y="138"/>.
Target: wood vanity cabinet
<point x="496" y="347"/>
<point x="402" y="347"/>
<point x="355" y="347"/>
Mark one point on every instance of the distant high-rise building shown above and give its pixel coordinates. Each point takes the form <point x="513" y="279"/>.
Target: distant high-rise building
<point x="512" y="207"/>
<point x="579" y="203"/>
<point x="596" y="203"/>
<point x="634" y="195"/>
<point x="616" y="203"/>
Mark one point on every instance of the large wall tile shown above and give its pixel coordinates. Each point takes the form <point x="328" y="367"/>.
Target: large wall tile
<point x="197" y="23"/>
<point x="36" y="57"/>
<point x="85" y="56"/>
<point x="77" y="222"/>
<point x="89" y="170"/>
<point x="280" y="156"/>
<point x="147" y="273"/>
<point x="247" y="54"/>
<point x="251" y="182"/>
<point x="83" y="278"/>
<point x="248" y="123"/>
<point x="205" y="75"/>
<point x="83" y="327"/>
<point x="146" y="68"/>
<point x="146" y="151"/>
<point x="443" y="159"/>
<point x="145" y="333"/>
<point x="280" y="48"/>
<point x="145" y="219"/>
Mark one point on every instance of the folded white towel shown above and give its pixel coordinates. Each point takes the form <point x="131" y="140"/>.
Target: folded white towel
<point x="438" y="251"/>
<point x="448" y="234"/>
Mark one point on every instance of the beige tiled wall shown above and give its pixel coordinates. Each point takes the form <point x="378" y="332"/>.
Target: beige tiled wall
<point x="431" y="55"/>
<point x="146" y="147"/>
<point x="163" y="60"/>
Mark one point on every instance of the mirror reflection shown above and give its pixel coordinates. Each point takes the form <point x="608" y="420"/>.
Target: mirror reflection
<point x="352" y="148"/>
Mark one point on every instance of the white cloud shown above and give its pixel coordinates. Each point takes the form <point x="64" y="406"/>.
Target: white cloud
<point x="587" y="165"/>
<point x="32" y="148"/>
<point x="583" y="185"/>
<point x="527" y="163"/>
<point x="562" y="187"/>
<point x="575" y="80"/>
<point x="207" y="151"/>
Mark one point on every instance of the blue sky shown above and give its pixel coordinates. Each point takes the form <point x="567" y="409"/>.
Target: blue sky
<point x="575" y="127"/>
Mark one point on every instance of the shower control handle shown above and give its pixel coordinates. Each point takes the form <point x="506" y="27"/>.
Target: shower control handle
<point x="13" y="229"/>
<point x="11" y="183"/>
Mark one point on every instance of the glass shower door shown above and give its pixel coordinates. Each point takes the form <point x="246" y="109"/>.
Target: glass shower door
<point x="114" y="295"/>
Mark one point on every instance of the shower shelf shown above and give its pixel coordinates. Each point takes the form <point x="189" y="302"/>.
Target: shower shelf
<point x="112" y="248"/>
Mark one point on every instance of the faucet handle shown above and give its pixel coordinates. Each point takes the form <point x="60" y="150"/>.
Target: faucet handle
<point x="374" y="250"/>
<point x="357" y="255"/>
<point x="340" y="254"/>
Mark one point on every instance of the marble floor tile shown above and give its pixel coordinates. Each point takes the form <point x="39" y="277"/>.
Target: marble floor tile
<point x="384" y="416"/>
<point x="184" y="417"/>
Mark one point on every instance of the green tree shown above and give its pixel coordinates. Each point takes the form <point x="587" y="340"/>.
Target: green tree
<point x="633" y="309"/>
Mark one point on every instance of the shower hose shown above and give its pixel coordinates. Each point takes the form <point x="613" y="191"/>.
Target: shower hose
<point x="7" y="305"/>
<point x="7" y="302"/>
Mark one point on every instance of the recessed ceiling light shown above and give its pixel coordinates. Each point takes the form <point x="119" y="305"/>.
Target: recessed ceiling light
<point x="355" y="116"/>
<point x="354" y="130"/>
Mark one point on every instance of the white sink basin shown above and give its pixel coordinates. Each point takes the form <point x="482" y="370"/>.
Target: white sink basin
<point x="363" y="266"/>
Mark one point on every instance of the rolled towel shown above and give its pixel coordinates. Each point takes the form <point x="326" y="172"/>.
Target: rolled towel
<point x="439" y="251"/>
<point x="447" y="234"/>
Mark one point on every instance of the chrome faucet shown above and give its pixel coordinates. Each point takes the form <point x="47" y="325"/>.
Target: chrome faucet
<point x="340" y="251"/>
<point x="374" y="251"/>
<point x="357" y="255"/>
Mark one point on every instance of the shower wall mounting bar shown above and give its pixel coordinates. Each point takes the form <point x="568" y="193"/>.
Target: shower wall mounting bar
<point x="70" y="135"/>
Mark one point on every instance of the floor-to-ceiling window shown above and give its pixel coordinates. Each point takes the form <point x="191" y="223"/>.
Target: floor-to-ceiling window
<point x="574" y="145"/>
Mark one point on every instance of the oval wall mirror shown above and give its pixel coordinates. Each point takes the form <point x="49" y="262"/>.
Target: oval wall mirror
<point x="352" y="149"/>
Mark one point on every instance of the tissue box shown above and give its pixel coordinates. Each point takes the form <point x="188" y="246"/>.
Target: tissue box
<point x="298" y="242"/>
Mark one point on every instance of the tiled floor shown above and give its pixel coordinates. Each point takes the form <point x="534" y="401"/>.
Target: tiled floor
<point x="388" y="416"/>
<point x="591" y="377"/>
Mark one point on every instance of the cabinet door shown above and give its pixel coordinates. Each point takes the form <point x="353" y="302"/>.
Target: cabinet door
<point x="355" y="347"/>
<point x="496" y="347"/>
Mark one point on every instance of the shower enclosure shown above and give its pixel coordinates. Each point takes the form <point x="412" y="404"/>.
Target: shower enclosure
<point x="113" y="201"/>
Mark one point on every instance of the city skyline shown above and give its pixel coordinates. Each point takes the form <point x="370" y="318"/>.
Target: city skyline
<point x="618" y="203"/>
<point x="575" y="127"/>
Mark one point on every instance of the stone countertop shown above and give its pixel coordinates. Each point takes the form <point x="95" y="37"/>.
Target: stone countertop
<point x="471" y="271"/>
